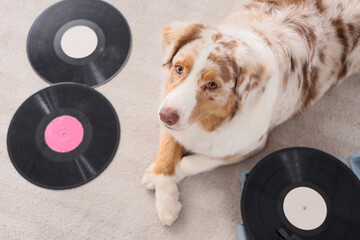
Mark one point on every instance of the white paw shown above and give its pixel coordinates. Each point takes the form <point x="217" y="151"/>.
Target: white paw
<point x="148" y="180"/>
<point x="167" y="199"/>
<point x="168" y="210"/>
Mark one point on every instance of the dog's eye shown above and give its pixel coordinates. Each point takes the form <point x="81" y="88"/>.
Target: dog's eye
<point x="179" y="69"/>
<point x="211" y="85"/>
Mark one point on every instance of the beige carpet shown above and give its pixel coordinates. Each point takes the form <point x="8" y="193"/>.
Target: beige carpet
<point x="114" y="206"/>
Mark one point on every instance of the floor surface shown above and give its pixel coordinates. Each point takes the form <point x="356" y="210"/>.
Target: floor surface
<point x="114" y="205"/>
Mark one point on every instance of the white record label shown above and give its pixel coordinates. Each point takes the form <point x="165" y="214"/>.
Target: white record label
<point x="305" y="208"/>
<point x="79" y="41"/>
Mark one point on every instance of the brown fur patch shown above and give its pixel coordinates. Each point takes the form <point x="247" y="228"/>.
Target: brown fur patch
<point x="343" y="39"/>
<point x="235" y="108"/>
<point x="248" y="87"/>
<point x="270" y="10"/>
<point x="309" y="34"/>
<point x="223" y="65"/>
<point x="292" y="1"/>
<point x="175" y="79"/>
<point x="343" y="71"/>
<point x="299" y="80"/>
<point x="257" y="79"/>
<point x="305" y="75"/>
<point x="319" y="4"/>
<point x="217" y="36"/>
<point x="254" y="85"/>
<point x="258" y="74"/>
<point x="180" y="37"/>
<point x="187" y="62"/>
<point x="285" y="80"/>
<point x="272" y="2"/>
<point x="239" y="81"/>
<point x="170" y="153"/>
<point x="239" y="97"/>
<point x="352" y="29"/>
<point x="209" y="75"/>
<point x="309" y="91"/>
<point x="292" y="64"/>
<point x="355" y="43"/>
<point x="322" y="56"/>
<point x="341" y="32"/>
<point x="283" y="2"/>
<point x="268" y="41"/>
<point x="260" y="33"/>
<point x="210" y="114"/>
<point x="233" y="65"/>
<point x="230" y="45"/>
<point x="314" y="74"/>
<point x="303" y="30"/>
<point x="354" y="34"/>
<point x="312" y="37"/>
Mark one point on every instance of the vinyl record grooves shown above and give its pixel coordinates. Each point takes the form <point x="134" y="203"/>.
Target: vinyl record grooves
<point x="271" y="180"/>
<point x="63" y="136"/>
<point x="112" y="42"/>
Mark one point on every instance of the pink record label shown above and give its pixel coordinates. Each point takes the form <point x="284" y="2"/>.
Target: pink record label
<point x="64" y="134"/>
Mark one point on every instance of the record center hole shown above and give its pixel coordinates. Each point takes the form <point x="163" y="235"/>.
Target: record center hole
<point x="305" y="208"/>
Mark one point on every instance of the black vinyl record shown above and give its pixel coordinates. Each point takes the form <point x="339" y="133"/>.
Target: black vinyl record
<point x="63" y="136"/>
<point x="276" y="175"/>
<point x="49" y="60"/>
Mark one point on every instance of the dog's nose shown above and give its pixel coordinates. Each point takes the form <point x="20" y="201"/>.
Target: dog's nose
<point x="168" y="117"/>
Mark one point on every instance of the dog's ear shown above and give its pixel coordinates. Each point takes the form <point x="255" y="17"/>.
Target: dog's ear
<point x="176" y="35"/>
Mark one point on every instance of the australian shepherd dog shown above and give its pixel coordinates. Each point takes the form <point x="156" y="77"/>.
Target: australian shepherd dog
<point x="229" y="85"/>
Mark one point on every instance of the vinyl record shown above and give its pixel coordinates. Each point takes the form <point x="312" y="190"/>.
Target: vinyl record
<point x="63" y="136"/>
<point x="301" y="193"/>
<point x="82" y="41"/>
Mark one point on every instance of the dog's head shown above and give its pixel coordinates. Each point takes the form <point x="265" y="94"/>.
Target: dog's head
<point x="211" y="76"/>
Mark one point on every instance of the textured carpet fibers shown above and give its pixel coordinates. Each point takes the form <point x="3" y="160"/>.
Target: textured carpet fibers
<point x="114" y="205"/>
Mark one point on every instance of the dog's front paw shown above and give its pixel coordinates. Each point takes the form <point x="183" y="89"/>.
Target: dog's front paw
<point x="168" y="210"/>
<point x="148" y="180"/>
<point x="167" y="199"/>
